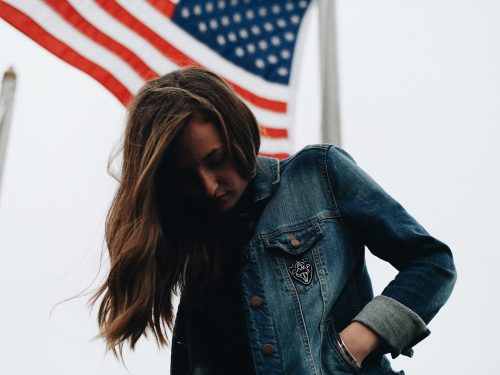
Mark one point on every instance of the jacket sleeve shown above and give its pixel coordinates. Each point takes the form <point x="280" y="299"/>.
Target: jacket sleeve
<point x="426" y="270"/>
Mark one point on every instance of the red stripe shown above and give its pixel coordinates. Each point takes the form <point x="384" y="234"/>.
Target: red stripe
<point x="122" y="15"/>
<point x="277" y="155"/>
<point x="178" y="57"/>
<point x="259" y="101"/>
<point x="273" y="133"/>
<point x="70" y="14"/>
<point x="29" y="27"/>
<point x="166" y="7"/>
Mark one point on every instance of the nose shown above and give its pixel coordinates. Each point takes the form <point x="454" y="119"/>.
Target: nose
<point x="209" y="182"/>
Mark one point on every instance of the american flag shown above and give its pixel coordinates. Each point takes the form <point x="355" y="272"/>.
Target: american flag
<point x="123" y="43"/>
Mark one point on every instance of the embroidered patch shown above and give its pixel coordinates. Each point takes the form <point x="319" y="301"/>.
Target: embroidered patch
<point x="301" y="270"/>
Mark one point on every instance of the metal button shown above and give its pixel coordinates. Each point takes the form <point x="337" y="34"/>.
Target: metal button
<point x="294" y="242"/>
<point x="267" y="349"/>
<point x="255" y="301"/>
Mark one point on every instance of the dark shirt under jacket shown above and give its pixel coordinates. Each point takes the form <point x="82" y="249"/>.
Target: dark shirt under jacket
<point x="215" y="318"/>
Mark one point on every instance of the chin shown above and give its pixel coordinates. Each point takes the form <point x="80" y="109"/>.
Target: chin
<point x="224" y="208"/>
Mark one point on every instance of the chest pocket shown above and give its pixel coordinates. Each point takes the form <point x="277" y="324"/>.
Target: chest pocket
<point x="296" y="255"/>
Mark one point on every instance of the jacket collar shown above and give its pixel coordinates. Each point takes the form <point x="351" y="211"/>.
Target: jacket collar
<point x="267" y="177"/>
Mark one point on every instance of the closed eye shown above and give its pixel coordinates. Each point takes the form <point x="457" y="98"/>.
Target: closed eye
<point x="216" y="159"/>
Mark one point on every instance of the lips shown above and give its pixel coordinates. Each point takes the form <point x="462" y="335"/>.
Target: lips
<point x="220" y="196"/>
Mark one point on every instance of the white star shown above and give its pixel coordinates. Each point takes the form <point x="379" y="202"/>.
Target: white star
<point x="281" y="22"/>
<point x="295" y="19"/>
<point x="214" y="24"/>
<point x="232" y="36"/>
<point x="221" y="40"/>
<point x="250" y="14"/>
<point x="272" y="59"/>
<point x="240" y="52"/>
<point x="244" y="33"/>
<point x="289" y="6"/>
<point x="285" y="54"/>
<point x="282" y="71"/>
<point x="275" y="41"/>
<point x="289" y="36"/>
<point x="221" y="4"/>
<point x="185" y="12"/>
<point x="202" y="26"/>
<point x="237" y="17"/>
<point x="303" y="4"/>
<point x="255" y="29"/>
<point x="209" y="7"/>
<point x="262" y="44"/>
<point x="224" y="20"/>
<point x="262" y="11"/>
<point x="197" y="10"/>
<point x="276" y="9"/>
<point x="268" y="26"/>
<point x="260" y="63"/>
<point x="250" y="47"/>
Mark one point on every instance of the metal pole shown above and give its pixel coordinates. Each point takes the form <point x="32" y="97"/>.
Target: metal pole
<point x="6" y="106"/>
<point x="330" y="117"/>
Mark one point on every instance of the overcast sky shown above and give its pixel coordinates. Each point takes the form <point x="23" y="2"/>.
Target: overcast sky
<point x="420" y="110"/>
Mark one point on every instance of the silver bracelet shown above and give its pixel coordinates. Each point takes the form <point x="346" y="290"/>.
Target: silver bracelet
<point x="346" y="354"/>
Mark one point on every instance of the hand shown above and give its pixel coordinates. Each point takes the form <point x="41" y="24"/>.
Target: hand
<point x="360" y="340"/>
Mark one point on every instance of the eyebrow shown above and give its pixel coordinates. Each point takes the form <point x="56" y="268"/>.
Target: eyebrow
<point x="211" y="153"/>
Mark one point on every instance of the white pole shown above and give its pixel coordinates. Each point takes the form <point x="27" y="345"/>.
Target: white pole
<point x="330" y="117"/>
<point x="6" y="106"/>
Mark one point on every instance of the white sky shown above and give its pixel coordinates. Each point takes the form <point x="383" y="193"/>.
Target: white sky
<point x="420" y="110"/>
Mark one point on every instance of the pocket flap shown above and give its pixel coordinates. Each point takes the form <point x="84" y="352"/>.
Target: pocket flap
<point x="294" y="239"/>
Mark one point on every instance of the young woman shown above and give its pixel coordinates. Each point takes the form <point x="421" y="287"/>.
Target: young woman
<point x="268" y="255"/>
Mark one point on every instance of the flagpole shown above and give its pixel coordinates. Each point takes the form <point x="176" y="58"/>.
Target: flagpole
<point x="6" y="106"/>
<point x="330" y="116"/>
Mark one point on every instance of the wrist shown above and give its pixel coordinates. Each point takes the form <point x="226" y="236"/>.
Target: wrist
<point x="346" y="354"/>
<point x="359" y="340"/>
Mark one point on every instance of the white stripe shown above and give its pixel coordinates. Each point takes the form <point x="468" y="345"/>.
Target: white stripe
<point x="203" y="54"/>
<point x="59" y="28"/>
<point x="275" y="146"/>
<point x="269" y="118"/>
<point x="103" y="21"/>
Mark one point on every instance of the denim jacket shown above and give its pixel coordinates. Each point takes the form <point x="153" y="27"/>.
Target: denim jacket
<point x="305" y="279"/>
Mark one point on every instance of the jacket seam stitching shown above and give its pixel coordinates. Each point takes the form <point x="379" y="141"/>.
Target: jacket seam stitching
<point x="329" y="183"/>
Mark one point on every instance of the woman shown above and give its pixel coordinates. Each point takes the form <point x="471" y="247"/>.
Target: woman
<point x="268" y="255"/>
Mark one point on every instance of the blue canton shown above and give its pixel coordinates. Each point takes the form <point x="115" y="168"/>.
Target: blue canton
<point x="257" y="35"/>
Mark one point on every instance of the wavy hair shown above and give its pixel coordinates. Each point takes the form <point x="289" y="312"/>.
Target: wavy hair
<point x="156" y="245"/>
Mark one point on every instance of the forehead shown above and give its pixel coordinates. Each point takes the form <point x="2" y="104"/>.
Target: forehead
<point x="194" y="143"/>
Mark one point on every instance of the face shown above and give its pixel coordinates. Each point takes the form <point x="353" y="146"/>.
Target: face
<point x="202" y="171"/>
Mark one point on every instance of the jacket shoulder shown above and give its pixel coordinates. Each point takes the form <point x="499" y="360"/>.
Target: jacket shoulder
<point x="310" y="152"/>
<point x="315" y="153"/>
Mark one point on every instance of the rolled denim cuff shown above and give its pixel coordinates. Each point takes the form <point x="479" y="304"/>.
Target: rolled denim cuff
<point x="396" y="324"/>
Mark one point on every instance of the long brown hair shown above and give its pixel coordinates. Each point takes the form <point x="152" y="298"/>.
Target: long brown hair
<point x="154" y="244"/>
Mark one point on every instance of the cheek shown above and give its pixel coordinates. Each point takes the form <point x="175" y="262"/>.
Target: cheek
<point x="239" y="184"/>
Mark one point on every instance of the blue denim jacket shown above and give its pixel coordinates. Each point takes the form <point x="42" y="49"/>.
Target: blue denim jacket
<point x="305" y="262"/>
